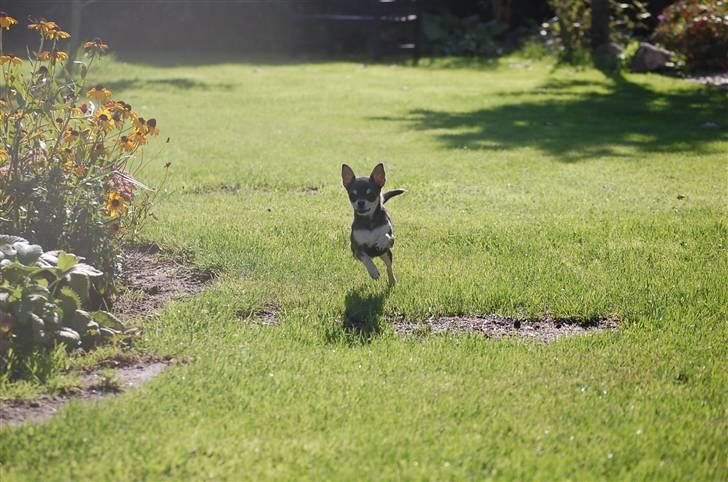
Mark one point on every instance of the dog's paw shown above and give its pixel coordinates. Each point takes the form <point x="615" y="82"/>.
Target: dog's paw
<point x="385" y="242"/>
<point x="373" y="272"/>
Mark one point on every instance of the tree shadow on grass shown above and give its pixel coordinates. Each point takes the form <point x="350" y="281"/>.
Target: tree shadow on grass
<point x="576" y="119"/>
<point x="175" y="83"/>
<point x="362" y="319"/>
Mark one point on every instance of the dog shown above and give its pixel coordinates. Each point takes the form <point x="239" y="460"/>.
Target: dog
<point x="371" y="232"/>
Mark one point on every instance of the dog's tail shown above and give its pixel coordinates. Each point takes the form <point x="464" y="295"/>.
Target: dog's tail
<point x="390" y="194"/>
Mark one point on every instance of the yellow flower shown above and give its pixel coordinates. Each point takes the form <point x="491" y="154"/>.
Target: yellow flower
<point x="116" y="228"/>
<point x="115" y="204"/>
<point x="68" y="165"/>
<point x="3" y="155"/>
<point x="99" y="92"/>
<point x="61" y="56"/>
<point x="97" y="45"/>
<point x="71" y="135"/>
<point x="58" y="34"/>
<point x="152" y="127"/>
<point x="127" y="145"/>
<point x="10" y="59"/>
<point x="43" y="26"/>
<point x="44" y="55"/>
<point x="6" y="21"/>
<point x="139" y="138"/>
<point x="105" y="119"/>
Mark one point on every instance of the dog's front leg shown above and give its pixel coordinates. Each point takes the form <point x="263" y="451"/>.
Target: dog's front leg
<point x="367" y="261"/>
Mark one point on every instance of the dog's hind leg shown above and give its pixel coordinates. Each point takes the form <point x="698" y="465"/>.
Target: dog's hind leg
<point x="368" y="263"/>
<point x="387" y="257"/>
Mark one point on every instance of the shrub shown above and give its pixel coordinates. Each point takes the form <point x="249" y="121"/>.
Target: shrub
<point x="698" y="31"/>
<point x="42" y="296"/>
<point x="67" y="163"/>
<point x="451" y="35"/>
<point x="568" y="32"/>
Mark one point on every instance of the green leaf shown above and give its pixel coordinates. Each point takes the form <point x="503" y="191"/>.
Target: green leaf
<point x="66" y="261"/>
<point x="69" y="301"/>
<point x="15" y="272"/>
<point x="28" y="253"/>
<point x="68" y="336"/>
<point x="106" y="319"/>
<point x="85" y="269"/>
<point x="7" y="239"/>
<point x="80" y="284"/>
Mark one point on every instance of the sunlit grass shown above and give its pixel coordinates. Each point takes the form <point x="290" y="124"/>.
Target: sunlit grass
<point x="532" y="191"/>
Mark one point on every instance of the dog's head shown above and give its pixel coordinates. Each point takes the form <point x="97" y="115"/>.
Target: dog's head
<point x="364" y="192"/>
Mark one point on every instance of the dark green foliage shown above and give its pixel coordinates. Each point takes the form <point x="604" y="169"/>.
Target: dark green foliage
<point x="42" y="296"/>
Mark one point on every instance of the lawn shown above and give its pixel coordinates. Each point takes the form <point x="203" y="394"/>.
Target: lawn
<point x="532" y="191"/>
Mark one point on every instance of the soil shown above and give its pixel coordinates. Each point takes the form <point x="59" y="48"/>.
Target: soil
<point x="94" y="386"/>
<point x="152" y="279"/>
<point x="490" y="326"/>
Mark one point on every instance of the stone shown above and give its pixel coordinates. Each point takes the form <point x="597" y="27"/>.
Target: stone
<point x="649" y="58"/>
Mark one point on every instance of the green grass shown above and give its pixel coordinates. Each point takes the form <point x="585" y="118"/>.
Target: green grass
<point x="532" y="191"/>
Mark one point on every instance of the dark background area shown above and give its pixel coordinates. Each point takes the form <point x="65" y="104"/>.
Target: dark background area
<point x="260" y="27"/>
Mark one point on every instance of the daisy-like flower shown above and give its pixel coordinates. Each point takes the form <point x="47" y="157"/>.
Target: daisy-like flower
<point x="116" y="228"/>
<point x="152" y="127"/>
<point x="70" y="135"/>
<point x="58" y="34"/>
<point x="105" y="119"/>
<point x="140" y="124"/>
<point x="43" y="26"/>
<point x="6" y="21"/>
<point x="127" y="145"/>
<point x="3" y="155"/>
<point x="60" y="56"/>
<point x="115" y="204"/>
<point x="139" y="138"/>
<point x="99" y="92"/>
<point x="96" y="45"/>
<point x="44" y="55"/>
<point x="10" y="59"/>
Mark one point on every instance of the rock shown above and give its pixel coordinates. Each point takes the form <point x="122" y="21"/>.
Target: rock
<point x="711" y="125"/>
<point x="649" y="58"/>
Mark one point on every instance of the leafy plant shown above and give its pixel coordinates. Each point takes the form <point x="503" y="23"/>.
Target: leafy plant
<point x="68" y="163"/>
<point x="698" y="31"/>
<point x="451" y="35"/>
<point x="568" y="32"/>
<point x="42" y="296"/>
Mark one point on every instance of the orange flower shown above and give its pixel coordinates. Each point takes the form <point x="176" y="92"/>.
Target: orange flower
<point x="10" y="59"/>
<point x="44" y="26"/>
<point x="99" y="92"/>
<point x="97" y="45"/>
<point x="6" y="21"/>
<point x="127" y="145"/>
<point x="57" y="34"/>
<point x="116" y="228"/>
<point x="115" y="204"/>
<point x="105" y="119"/>
<point x="44" y="55"/>
<point x="71" y="135"/>
<point x="152" y="127"/>
<point x="139" y="138"/>
<point x="3" y="155"/>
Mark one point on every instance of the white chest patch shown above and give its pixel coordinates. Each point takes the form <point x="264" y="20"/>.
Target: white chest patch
<point x="377" y="237"/>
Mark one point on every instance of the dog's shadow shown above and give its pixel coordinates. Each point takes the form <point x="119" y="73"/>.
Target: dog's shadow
<point x="362" y="319"/>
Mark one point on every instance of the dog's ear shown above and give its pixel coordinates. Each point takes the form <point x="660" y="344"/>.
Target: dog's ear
<point x="378" y="175"/>
<point x="347" y="175"/>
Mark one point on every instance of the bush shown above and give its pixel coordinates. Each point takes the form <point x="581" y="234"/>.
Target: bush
<point x="698" y="31"/>
<point x="568" y="32"/>
<point x="67" y="164"/>
<point x="451" y="35"/>
<point x="42" y="296"/>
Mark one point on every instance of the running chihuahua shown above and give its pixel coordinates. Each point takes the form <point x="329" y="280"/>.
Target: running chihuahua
<point x="371" y="231"/>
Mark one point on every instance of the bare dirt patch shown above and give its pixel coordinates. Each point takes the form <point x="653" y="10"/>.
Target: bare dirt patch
<point x="491" y="326"/>
<point x="94" y="385"/>
<point x="151" y="279"/>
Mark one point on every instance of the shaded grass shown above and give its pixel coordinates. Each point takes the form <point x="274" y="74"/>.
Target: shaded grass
<point x="494" y="221"/>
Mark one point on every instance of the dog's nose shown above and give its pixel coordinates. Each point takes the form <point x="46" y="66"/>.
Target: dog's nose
<point x="360" y="204"/>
